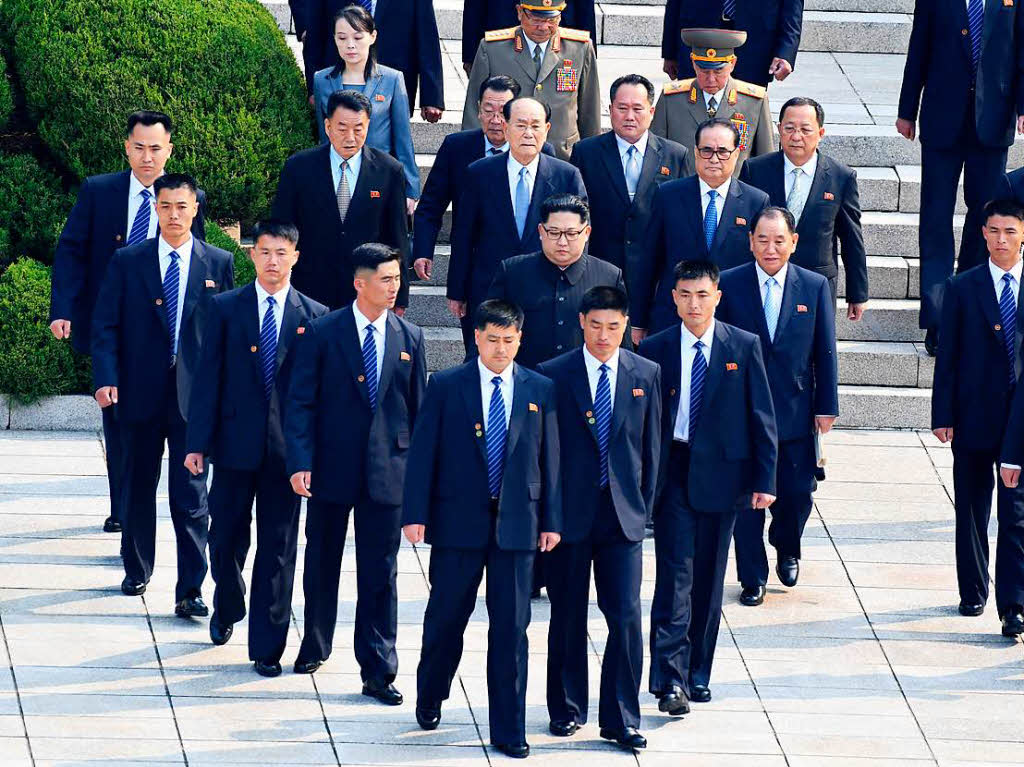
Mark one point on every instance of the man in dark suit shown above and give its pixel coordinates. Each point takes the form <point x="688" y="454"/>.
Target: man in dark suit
<point x="112" y="210"/>
<point x="235" y="421"/>
<point x="150" y="315"/>
<point x="976" y="372"/>
<point x="341" y="195"/>
<point x="609" y="428"/>
<point x="1012" y="186"/>
<point x="623" y="169"/>
<point x="790" y="309"/>
<point x="965" y="69"/>
<point x="822" y="195"/>
<point x="773" y="34"/>
<point x="499" y="210"/>
<point x="709" y="212"/>
<point x="355" y="394"/>
<point x="482" y="488"/>
<point x="719" y="451"/>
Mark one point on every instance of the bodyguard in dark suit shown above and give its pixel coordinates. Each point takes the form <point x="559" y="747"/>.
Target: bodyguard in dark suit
<point x="354" y="397"/>
<point x="719" y="450"/>
<point x="341" y="195"/>
<point x="1012" y="186"/>
<point x="112" y="210"/>
<point x="235" y="422"/>
<point x="499" y="210"/>
<point x="482" y="488"/>
<point x="976" y="373"/>
<point x="822" y="195"/>
<point x="710" y="213"/>
<point x="151" y="312"/>
<point x="622" y="170"/>
<point x="965" y="69"/>
<point x="609" y="427"/>
<point x="790" y="309"/>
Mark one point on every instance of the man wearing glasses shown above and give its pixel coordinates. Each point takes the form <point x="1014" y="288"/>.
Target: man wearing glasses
<point x="552" y="64"/>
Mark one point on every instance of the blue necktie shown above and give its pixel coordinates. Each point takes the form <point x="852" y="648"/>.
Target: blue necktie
<point x="697" y="372"/>
<point x="1008" y="314"/>
<point x="771" y="308"/>
<point x="710" y="220"/>
<point x="268" y="348"/>
<point x="522" y="202"/>
<point x="728" y="9"/>
<point x="975" y="22"/>
<point x="496" y="439"/>
<point x="171" y="279"/>
<point x="632" y="171"/>
<point x="603" y="419"/>
<point x="367" y="4"/>
<point x="370" y="366"/>
<point x="140" y="226"/>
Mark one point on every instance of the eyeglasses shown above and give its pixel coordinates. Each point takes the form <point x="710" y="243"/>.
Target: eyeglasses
<point x="571" y="235"/>
<point x="721" y="152"/>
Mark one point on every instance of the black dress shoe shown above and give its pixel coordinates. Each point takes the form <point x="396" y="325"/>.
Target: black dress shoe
<point x="515" y="750"/>
<point x="931" y="341"/>
<point x="1013" y="622"/>
<point x="700" y="694"/>
<point x="111" y="525"/>
<point x="306" y="666"/>
<point x="219" y="633"/>
<point x="971" y="610"/>
<point x="267" y="668"/>
<point x="132" y="587"/>
<point x="628" y="737"/>
<point x="563" y="728"/>
<point x="428" y="715"/>
<point x="191" y="607"/>
<point x="788" y="570"/>
<point x="385" y="692"/>
<point x="752" y="596"/>
<point x="674" y="702"/>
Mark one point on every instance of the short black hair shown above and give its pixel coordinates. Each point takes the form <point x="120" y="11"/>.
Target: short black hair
<point x="274" y="227"/>
<point x="148" y="117"/>
<point x="354" y="101"/>
<point x="1002" y="207"/>
<point x="499" y="84"/>
<point x="175" y="181"/>
<point x="716" y="122"/>
<point x="498" y="312"/>
<point x="774" y="211"/>
<point x="370" y="255"/>
<point x="633" y="79"/>
<point x="604" y="297"/>
<point x="803" y="101"/>
<point x="565" y="203"/>
<point x="507" y="109"/>
<point x="694" y="270"/>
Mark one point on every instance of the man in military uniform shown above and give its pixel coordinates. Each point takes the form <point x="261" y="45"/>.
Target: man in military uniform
<point x="685" y="104"/>
<point x="554" y="65"/>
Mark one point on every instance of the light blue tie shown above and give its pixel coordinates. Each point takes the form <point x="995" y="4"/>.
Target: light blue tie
<point x="632" y="171"/>
<point x="697" y="373"/>
<point x="370" y="366"/>
<point x="710" y="220"/>
<point x="1008" y="315"/>
<point x="976" y="23"/>
<point x="603" y="420"/>
<point x="522" y="202"/>
<point x="140" y="226"/>
<point x="171" y="279"/>
<point x="771" y="308"/>
<point x="268" y="348"/>
<point x="496" y="439"/>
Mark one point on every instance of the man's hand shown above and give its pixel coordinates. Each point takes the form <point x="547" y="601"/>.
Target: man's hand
<point x="61" y="328"/>
<point x="824" y="423"/>
<point x="548" y="541"/>
<point x="106" y="396"/>
<point x="671" y="68"/>
<point x="424" y="267"/>
<point x="944" y="435"/>
<point x="301" y="482"/>
<point x="906" y="128"/>
<point x="467" y="67"/>
<point x="194" y="463"/>
<point x="780" y="68"/>
<point x="638" y="335"/>
<point x="761" y="500"/>
<point x="1010" y="477"/>
<point x="410" y="206"/>
<point x="431" y="114"/>
<point x="855" y="312"/>
<point x="414" y="533"/>
<point x="457" y="308"/>
<point x="1020" y="124"/>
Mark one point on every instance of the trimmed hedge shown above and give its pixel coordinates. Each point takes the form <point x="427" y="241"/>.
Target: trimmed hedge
<point x="6" y="97"/>
<point x="220" y="68"/>
<point x="33" y="207"/>
<point x="245" y="272"/>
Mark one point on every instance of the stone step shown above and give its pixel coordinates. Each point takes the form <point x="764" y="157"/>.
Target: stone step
<point x="861" y="6"/>
<point x="884" y="407"/>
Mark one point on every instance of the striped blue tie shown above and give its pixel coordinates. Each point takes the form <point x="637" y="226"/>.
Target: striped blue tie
<point x="496" y="439"/>
<point x="697" y="373"/>
<point x="728" y="9"/>
<point x="140" y="226"/>
<point x="603" y="419"/>
<point x="771" y="307"/>
<point x="370" y="366"/>
<point x="1008" y="314"/>
<point x="710" y="220"/>
<point x="975" y="22"/>
<point x="268" y="348"/>
<point x="171" y="280"/>
<point x="522" y="202"/>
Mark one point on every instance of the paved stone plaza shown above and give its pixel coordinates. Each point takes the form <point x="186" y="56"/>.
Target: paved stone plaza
<point x="865" y="662"/>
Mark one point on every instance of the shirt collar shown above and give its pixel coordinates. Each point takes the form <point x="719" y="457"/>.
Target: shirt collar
<point x="689" y="339"/>
<point x="262" y="294"/>
<point x="623" y="145"/>
<point x="488" y="146"/>
<point x="135" y="186"/>
<point x="594" y="364"/>
<point x="486" y="374"/>
<point x="780" y="276"/>
<point x="184" y="251"/>
<point x="379" y="324"/>
<point x="572" y="272"/>
<point x="514" y="165"/>
<point x="723" y="190"/>
<point x="997" y="272"/>
<point x="532" y="44"/>
<point x="353" y="161"/>
<point x="718" y="97"/>
<point x="808" y="167"/>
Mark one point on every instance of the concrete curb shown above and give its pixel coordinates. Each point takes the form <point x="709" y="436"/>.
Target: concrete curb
<point x="73" y="412"/>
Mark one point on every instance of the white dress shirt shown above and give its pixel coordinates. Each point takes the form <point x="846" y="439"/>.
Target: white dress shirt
<point x="997" y="278"/>
<point x="514" y="167"/>
<point x="135" y="201"/>
<point x="641" y="150"/>
<point x="486" y="387"/>
<point x="379" y="325"/>
<point x="722" y="191"/>
<point x="780" y="279"/>
<point x="686" y="342"/>
<point x="261" y="304"/>
<point x="488" y="146"/>
<point x="593" y="365"/>
<point x="355" y="162"/>
<point x="185" y="255"/>
<point x="718" y="99"/>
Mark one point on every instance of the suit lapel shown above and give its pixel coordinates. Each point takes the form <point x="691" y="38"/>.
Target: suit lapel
<point x="352" y="348"/>
<point x="393" y="348"/>
<point x="777" y="183"/>
<point x="820" y="182"/>
<point x="325" y="180"/>
<point x="989" y="303"/>
<point x="623" y="394"/>
<point x="790" y="291"/>
<point x="248" y="302"/>
<point x="198" y="268"/>
<point x="719" y="354"/>
<point x="753" y="284"/>
<point x="960" y="9"/>
<point x="364" y="183"/>
<point x="548" y="63"/>
<point x="373" y="85"/>
<point x="521" y="394"/>
<point x="672" y="371"/>
<point x="612" y="162"/>
<point x="378" y="12"/>
<point x="500" y="182"/>
<point x="151" y="276"/>
<point x="523" y="58"/>
<point x="732" y="202"/>
<point x="474" y="405"/>
<point x="651" y="164"/>
<point x="542" y="189"/>
<point x="697" y="217"/>
<point x="120" y="209"/>
<point x="289" y="324"/>
<point x="581" y="390"/>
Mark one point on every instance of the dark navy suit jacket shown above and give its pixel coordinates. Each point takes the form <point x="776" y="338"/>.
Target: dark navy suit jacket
<point x="634" y="448"/>
<point x="1013" y="186"/>
<point x="485" y="233"/>
<point x="733" y="450"/>
<point x="130" y="335"/>
<point x="446" y="481"/>
<point x="676" y="233"/>
<point x="329" y="427"/>
<point x="96" y="227"/>
<point x="229" y="417"/>
<point x="802" y="361"/>
<point x="480" y="16"/>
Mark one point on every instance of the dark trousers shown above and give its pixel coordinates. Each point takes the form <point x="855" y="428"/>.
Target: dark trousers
<point x="115" y="459"/>
<point x="691" y="550"/>
<point x="795" y="482"/>
<point x="618" y="570"/>
<point x="973" y="477"/>
<point x="273" y="575"/>
<point x="378" y="535"/>
<point x="143" y="446"/>
<point x="455" y="576"/>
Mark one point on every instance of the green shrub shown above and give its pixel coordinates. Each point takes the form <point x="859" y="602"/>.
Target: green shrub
<point x="245" y="272"/>
<point x="33" y="363"/>
<point x="220" y="68"/>
<point x="33" y="208"/>
<point x="6" y="98"/>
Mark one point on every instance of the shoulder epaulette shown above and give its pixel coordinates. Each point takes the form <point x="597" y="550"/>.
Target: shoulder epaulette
<point x="749" y="89"/>
<point x="500" y="34"/>
<point x="677" y="86"/>
<point x="581" y="35"/>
